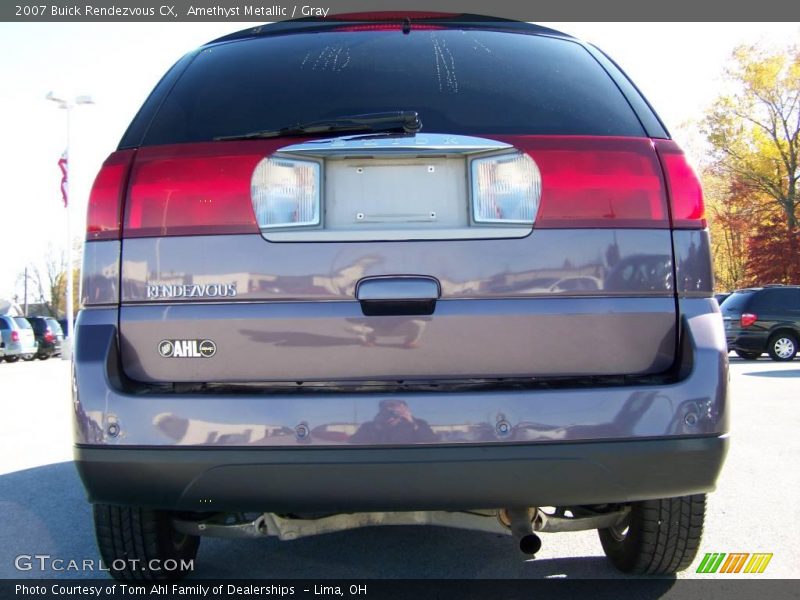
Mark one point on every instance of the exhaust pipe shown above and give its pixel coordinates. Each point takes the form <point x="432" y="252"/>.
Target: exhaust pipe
<point x="520" y="522"/>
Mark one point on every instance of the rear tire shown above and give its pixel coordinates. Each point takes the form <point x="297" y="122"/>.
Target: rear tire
<point x="28" y="357"/>
<point x="125" y="535"/>
<point x="747" y="355"/>
<point x="660" y="537"/>
<point x="12" y="359"/>
<point x="782" y="347"/>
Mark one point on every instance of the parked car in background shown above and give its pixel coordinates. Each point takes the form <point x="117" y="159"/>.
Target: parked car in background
<point x="48" y="334"/>
<point x="63" y="324"/>
<point x="765" y="319"/>
<point x="720" y="298"/>
<point x="18" y="338"/>
<point x="377" y="195"/>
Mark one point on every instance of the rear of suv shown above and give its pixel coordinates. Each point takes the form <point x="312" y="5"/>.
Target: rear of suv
<point x="764" y="319"/>
<point x="49" y="336"/>
<point x="18" y="339"/>
<point x="398" y="269"/>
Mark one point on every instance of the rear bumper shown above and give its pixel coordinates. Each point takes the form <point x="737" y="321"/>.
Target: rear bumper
<point x="386" y="479"/>
<point x="49" y="349"/>
<point x="464" y="449"/>
<point x="747" y="341"/>
<point x="20" y="349"/>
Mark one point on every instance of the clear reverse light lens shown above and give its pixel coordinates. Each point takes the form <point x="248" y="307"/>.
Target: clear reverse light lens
<point x="505" y="189"/>
<point x="285" y="193"/>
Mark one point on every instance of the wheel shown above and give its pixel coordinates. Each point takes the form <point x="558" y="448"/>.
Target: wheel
<point x="659" y="537"/>
<point x="12" y="359"/>
<point x="43" y="356"/>
<point x="747" y="355"/>
<point x="28" y="357"/>
<point x="782" y="346"/>
<point x="140" y="544"/>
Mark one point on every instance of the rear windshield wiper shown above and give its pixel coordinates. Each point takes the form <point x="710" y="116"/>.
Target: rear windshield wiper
<point x="401" y="121"/>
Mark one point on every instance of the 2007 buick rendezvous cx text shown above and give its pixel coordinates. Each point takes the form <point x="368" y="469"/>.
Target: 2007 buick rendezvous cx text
<point x="472" y="288"/>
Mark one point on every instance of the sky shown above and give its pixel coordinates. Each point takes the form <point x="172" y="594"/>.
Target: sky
<point x="678" y="67"/>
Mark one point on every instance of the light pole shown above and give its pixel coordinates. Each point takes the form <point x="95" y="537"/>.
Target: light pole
<point x="67" y="106"/>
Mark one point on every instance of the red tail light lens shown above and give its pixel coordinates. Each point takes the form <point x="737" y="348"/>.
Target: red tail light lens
<point x="391" y="15"/>
<point x="597" y="181"/>
<point x="48" y="336"/>
<point x="105" y="200"/>
<point x="386" y="27"/>
<point x="197" y="189"/>
<point x="683" y="187"/>
<point x="194" y="189"/>
<point x="748" y="319"/>
<point x="15" y="336"/>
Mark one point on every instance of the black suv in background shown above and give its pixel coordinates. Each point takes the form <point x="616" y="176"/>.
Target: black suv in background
<point x="49" y="335"/>
<point x="766" y="319"/>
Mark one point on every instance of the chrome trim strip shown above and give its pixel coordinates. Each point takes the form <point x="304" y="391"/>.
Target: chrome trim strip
<point x="426" y="143"/>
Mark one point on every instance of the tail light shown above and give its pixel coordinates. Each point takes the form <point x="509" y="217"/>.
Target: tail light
<point x="286" y="192"/>
<point x="387" y="27"/>
<point x="15" y="336"/>
<point x="747" y="319"/>
<point x="48" y="336"/>
<point x="597" y="181"/>
<point x="505" y="188"/>
<point x="685" y="193"/>
<point x="107" y="195"/>
<point x="194" y="189"/>
<point x="240" y="187"/>
<point x="391" y="15"/>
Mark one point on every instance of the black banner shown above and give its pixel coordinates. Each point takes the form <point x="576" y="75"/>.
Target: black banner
<point x="106" y="589"/>
<point x="536" y="10"/>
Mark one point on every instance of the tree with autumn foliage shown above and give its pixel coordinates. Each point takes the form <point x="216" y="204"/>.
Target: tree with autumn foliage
<point x="754" y="133"/>
<point x="731" y="214"/>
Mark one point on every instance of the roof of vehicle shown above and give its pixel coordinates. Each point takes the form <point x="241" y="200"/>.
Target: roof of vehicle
<point x="769" y="286"/>
<point x="308" y="24"/>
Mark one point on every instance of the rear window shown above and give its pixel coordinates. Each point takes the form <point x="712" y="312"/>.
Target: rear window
<point x="54" y="326"/>
<point x="460" y="81"/>
<point x="737" y="301"/>
<point x="22" y="322"/>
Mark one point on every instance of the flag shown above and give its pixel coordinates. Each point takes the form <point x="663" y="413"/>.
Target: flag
<point x="63" y="165"/>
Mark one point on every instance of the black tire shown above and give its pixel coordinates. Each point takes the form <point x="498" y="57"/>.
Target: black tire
<point x="28" y="357"/>
<point x="131" y="540"/>
<point x="12" y="359"/>
<point x="662" y="536"/>
<point x="747" y="355"/>
<point x="43" y="356"/>
<point x="782" y="346"/>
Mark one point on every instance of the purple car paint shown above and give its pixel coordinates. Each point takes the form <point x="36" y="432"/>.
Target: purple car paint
<point x="477" y="289"/>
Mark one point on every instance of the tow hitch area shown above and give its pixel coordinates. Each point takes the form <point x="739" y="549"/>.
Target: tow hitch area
<point x="522" y="523"/>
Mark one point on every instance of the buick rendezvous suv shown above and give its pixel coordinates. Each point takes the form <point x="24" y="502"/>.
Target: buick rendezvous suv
<point x="397" y="269"/>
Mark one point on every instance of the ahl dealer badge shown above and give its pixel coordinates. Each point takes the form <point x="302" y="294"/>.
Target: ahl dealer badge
<point x="187" y="348"/>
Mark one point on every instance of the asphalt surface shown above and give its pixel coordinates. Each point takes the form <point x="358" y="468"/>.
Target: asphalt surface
<point x="44" y="509"/>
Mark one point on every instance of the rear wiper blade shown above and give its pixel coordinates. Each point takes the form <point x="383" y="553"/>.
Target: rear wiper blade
<point x="401" y="121"/>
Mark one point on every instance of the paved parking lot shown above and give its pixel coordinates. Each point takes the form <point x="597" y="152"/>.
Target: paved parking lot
<point x="754" y="509"/>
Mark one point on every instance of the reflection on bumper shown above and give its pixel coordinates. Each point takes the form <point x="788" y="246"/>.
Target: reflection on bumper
<point x="693" y="406"/>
